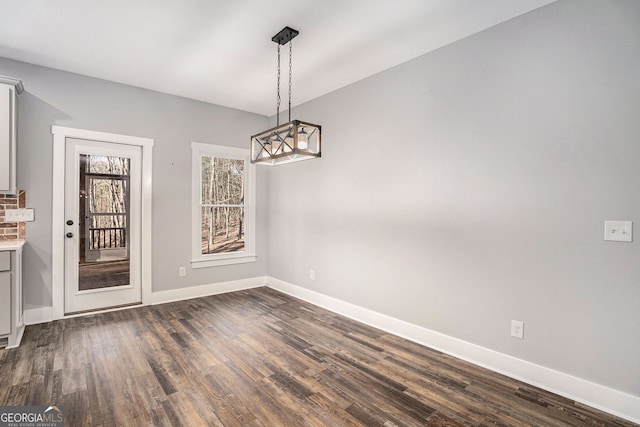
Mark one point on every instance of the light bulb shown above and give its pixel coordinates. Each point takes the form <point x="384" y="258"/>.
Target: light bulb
<point x="289" y="141"/>
<point x="303" y="140"/>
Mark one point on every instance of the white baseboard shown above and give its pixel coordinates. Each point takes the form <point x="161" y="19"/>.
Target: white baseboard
<point x="206" y="290"/>
<point x="37" y="315"/>
<point x="33" y="316"/>
<point x="600" y="397"/>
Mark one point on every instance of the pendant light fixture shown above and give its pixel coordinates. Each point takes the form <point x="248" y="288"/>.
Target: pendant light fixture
<point x="290" y="142"/>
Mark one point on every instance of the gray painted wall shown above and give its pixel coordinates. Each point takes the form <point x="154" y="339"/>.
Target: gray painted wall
<point x="470" y="186"/>
<point x="64" y="99"/>
<point x="458" y="191"/>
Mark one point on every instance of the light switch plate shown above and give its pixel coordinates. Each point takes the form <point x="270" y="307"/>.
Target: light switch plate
<point x="618" y="231"/>
<point x="19" y="215"/>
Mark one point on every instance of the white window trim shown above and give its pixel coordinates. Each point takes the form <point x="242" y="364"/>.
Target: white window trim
<point x="198" y="260"/>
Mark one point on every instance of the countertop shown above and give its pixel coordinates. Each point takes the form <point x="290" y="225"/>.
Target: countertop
<point x="11" y="245"/>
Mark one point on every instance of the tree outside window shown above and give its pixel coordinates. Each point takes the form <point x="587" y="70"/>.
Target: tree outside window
<point x="222" y="205"/>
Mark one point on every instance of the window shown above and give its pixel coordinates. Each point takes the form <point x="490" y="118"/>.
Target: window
<point x="223" y="216"/>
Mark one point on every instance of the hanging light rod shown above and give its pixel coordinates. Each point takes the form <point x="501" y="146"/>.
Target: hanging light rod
<point x="293" y="141"/>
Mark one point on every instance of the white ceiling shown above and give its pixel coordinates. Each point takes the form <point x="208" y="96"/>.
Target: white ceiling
<point x="220" y="51"/>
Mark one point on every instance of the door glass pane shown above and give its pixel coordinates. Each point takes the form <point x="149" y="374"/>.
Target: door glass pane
<point x="104" y="222"/>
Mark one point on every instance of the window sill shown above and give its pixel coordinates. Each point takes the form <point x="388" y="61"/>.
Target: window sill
<point x="230" y="260"/>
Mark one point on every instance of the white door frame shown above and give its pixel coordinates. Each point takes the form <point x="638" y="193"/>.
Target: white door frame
<point x="60" y="135"/>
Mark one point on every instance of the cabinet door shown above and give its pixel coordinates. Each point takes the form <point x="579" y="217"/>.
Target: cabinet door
<point x="5" y="303"/>
<point x="6" y="137"/>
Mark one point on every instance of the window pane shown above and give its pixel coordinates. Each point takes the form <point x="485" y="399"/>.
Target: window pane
<point x="107" y="165"/>
<point x="222" y="181"/>
<point x="107" y="231"/>
<point x="105" y="213"/>
<point x="107" y="195"/>
<point x="223" y="230"/>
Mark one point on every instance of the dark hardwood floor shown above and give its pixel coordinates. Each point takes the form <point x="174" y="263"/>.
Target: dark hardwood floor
<point x="261" y="358"/>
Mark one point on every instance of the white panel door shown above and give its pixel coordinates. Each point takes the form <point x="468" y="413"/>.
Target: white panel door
<point x="102" y="225"/>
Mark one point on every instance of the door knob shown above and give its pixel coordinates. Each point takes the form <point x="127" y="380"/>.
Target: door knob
<point x="69" y="222"/>
<point x="69" y="235"/>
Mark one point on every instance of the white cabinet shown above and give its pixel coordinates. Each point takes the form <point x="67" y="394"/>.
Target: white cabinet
<point x="11" y="313"/>
<point x="5" y="302"/>
<point x="9" y="90"/>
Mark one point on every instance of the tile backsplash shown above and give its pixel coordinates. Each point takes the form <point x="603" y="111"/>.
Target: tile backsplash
<point x="11" y="230"/>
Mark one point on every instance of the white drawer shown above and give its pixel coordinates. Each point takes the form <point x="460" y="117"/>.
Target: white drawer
<point x="5" y="261"/>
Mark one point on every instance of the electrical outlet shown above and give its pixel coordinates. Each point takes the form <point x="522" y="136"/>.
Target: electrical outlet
<point x="312" y="275"/>
<point x="618" y="231"/>
<point x="517" y="329"/>
<point x="19" y="215"/>
<point x="182" y="272"/>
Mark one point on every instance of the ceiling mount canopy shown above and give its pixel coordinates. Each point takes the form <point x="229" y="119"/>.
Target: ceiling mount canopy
<point x="293" y="141"/>
<point x="285" y="35"/>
